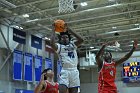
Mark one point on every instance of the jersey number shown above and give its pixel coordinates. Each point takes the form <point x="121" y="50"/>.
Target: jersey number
<point x="71" y="54"/>
<point x="111" y="73"/>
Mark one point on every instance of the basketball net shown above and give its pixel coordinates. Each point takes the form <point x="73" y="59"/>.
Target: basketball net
<point x="65" y="6"/>
<point x="117" y="44"/>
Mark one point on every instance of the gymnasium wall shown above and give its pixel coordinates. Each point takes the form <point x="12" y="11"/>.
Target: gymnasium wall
<point x="7" y="84"/>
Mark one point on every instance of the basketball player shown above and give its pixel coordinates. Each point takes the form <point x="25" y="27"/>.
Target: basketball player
<point x="46" y="84"/>
<point x="66" y="49"/>
<point x="107" y="69"/>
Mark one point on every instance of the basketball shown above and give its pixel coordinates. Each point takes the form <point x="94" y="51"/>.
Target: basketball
<point x="59" y="25"/>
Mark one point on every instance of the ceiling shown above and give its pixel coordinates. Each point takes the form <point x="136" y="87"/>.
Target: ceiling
<point x="98" y="22"/>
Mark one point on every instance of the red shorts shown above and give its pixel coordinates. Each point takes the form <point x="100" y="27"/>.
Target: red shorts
<point x="107" y="91"/>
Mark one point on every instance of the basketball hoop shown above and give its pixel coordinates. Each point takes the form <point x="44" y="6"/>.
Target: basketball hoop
<point x="114" y="47"/>
<point x="117" y="44"/>
<point x="65" y="6"/>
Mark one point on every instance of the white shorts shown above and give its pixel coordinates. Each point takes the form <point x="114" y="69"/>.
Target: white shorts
<point x="70" y="78"/>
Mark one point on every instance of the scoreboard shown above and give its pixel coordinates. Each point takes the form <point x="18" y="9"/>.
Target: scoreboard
<point x="131" y="72"/>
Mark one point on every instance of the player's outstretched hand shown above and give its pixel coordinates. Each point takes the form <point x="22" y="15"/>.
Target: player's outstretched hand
<point x="135" y="44"/>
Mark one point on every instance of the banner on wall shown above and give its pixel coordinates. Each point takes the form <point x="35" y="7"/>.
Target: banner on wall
<point x="23" y="91"/>
<point x="19" y="36"/>
<point x="131" y="72"/>
<point x="38" y="67"/>
<point x="48" y="63"/>
<point x="36" y="42"/>
<point x="28" y="59"/>
<point x="17" y="65"/>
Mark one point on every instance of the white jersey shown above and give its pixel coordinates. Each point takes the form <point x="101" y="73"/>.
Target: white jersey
<point x="68" y="55"/>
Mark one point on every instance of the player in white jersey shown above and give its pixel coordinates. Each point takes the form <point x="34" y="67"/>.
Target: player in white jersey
<point x="66" y="49"/>
<point x="68" y="54"/>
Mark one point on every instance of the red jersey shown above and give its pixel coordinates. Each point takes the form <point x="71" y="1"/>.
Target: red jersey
<point x="51" y="88"/>
<point x="106" y="79"/>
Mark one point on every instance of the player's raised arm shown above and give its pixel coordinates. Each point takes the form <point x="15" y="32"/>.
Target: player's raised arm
<point x="41" y="86"/>
<point x="98" y="56"/>
<point x="128" y="55"/>
<point x="78" y="37"/>
<point x="52" y="41"/>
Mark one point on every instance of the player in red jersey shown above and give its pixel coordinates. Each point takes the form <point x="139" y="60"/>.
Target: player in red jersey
<point x="46" y="84"/>
<point x="107" y="69"/>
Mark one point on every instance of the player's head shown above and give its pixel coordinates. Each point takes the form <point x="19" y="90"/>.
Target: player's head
<point x="107" y="56"/>
<point x="64" y="38"/>
<point x="48" y="73"/>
